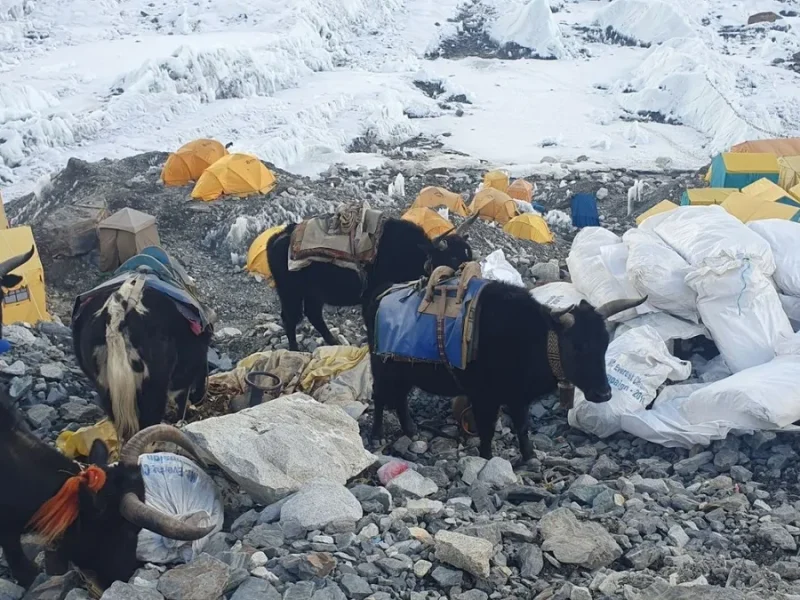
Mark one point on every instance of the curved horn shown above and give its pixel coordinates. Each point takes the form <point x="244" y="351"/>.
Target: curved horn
<point x="466" y="224"/>
<point x="15" y="261"/>
<point x="557" y="313"/>
<point x="609" y="309"/>
<point x="157" y="433"/>
<point x="137" y="512"/>
<point x="437" y="241"/>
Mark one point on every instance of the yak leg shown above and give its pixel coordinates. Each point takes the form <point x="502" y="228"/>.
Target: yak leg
<point x="485" y="412"/>
<point x="23" y="570"/>
<point x="520" y="417"/>
<point x="152" y="398"/>
<point x="394" y="394"/>
<point x="312" y="306"/>
<point x="291" y="315"/>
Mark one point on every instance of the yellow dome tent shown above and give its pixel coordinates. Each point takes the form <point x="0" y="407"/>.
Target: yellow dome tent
<point x="431" y="221"/>
<point x="789" y="175"/>
<point x="521" y="190"/>
<point x="748" y="208"/>
<point x="494" y="205"/>
<point x="661" y="207"/>
<point x="434" y="197"/>
<point x="257" y="254"/>
<point x="764" y="189"/>
<point x="234" y="175"/>
<point x="25" y="302"/>
<point x="496" y="179"/>
<point x="795" y="192"/>
<point x="529" y="227"/>
<point x="189" y="162"/>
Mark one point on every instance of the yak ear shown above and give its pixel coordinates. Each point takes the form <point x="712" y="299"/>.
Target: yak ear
<point x="98" y="455"/>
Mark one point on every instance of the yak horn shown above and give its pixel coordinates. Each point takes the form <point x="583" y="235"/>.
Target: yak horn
<point x="437" y="241"/>
<point x="609" y="309"/>
<point x="15" y="261"/>
<point x="138" y="513"/>
<point x="466" y="224"/>
<point x="157" y="433"/>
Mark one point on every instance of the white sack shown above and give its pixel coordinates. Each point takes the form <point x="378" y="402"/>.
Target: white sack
<point x="762" y="397"/>
<point x="710" y="234"/>
<point x="596" y="264"/>
<point x="557" y="295"/>
<point x="791" y="306"/>
<point x="656" y="270"/>
<point x="669" y="328"/>
<point x="741" y="309"/>
<point x="637" y="363"/>
<point x="496" y="267"/>
<point x="177" y="486"/>
<point x="784" y="239"/>
<point x="664" y="424"/>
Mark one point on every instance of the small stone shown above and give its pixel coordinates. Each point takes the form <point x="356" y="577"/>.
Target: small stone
<point x="39" y="414"/>
<point x="641" y="557"/>
<point x="531" y="561"/>
<point x="601" y="194"/>
<point x="329" y="592"/>
<point x="412" y="484"/>
<point x="690" y="466"/>
<point x="447" y="578"/>
<point x="201" y="579"/>
<point x="470" y="466"/>
<point x="517" y="532"/>
<point x="678" y="536"/>
<point x="654" y="487"/>
<point x="316" y="564"/>
<point x="423" y="506"/>
<point x="265" y="536"/>
<point x="17" y="369"/>
<point x="498" y="472"/>
<point x="12" y="590"/>
<point x="356" y="587"/>
<point x="20" y="386"/>
<point x="573" y="542"/>
<point x="300" y="591"/>
<point x="580" y="593"/>
<point x="422" y="568"/>
<point x="54" y="588"/>
<point x="776" y="536"/>
<point x="320" y="503"/>
<point x="473" y="594"/>
<point x="126" y="591"/>
<point x="605" y="467"/>
<point x="258" y="559"/>
<point x="372" y="499"/>
<point x="740" y="474"/>
<point x="421" y="535"/>
<point x="419" y="447"/>
<point x="52" y="371"/>
<point x="726" y="458"/>
<point x="464" y="552"/>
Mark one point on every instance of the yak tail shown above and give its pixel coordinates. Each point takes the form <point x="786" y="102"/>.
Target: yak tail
<point x="122" y="381"/>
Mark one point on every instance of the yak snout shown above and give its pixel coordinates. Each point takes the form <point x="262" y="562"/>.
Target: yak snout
<point x="598" y="397"/>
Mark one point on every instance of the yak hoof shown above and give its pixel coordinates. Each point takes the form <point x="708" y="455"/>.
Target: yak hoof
<point x="377" y="443"/>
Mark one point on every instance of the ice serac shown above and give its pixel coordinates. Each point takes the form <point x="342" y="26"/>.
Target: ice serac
<point x="531" y="25"/>
<point x="275" y="448"/>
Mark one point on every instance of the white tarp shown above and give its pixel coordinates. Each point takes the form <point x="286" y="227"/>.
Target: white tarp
<point x="496" y="267"/>
<point x="740" y="307"/>
<point x="669" y="328"/>
<point x="784" y="239"/>
<point x="791" y="306"/>
<point x="596" y="264"/>
<point x="637" y="363"/>
<point x="177" y="486"/>
<point x="709" y="234"/>
<point x="656" y="270"/>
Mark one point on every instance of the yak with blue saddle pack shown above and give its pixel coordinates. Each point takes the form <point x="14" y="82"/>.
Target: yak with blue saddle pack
<point x="432" y="320"/>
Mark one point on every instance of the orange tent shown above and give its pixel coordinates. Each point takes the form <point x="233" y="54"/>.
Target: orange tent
<point x="189" y="162"/>
<point x="237" y="175"/>
<point x="494" y="205"/>
<point x="521" y="190"/>
<point x="777" y="146"/>
<point x="435" y="197"/>
<point x="431" y="221"/>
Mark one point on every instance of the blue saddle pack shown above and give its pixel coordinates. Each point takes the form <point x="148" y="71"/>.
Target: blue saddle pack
<point x="434" y="324"/>
<point x="159" y="274"/>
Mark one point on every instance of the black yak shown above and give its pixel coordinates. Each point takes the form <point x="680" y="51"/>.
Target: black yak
<point x="8" y="280"/>
<point x="404" y="251"/>
<point x="513" y="364"/>
<point x="90" y="516"/>
<point x="141" y="349"/>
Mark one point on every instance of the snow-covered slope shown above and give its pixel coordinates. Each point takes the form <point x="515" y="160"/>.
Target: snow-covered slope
<point x="299" y="82"/>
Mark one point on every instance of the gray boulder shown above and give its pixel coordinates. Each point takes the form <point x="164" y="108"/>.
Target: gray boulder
<point x="576" y="543"/>
<point x="273" y="449"/>
<point x="320" y="503"/>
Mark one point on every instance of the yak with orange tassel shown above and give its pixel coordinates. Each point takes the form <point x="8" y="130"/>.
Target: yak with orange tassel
<point x="91" y="515"/>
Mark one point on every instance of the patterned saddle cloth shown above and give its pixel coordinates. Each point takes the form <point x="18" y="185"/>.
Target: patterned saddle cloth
<point x="433" y="320"/>
<point x="347" y="238"/>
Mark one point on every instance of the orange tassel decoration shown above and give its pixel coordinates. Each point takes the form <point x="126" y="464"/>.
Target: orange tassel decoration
<point x="56" y="515"/>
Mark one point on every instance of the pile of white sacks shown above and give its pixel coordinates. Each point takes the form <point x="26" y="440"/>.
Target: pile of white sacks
<point x="704" y="273"/>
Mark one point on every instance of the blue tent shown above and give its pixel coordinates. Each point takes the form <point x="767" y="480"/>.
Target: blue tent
<point x="584" y="211"/>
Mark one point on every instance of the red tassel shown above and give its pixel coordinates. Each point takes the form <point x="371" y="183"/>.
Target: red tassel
<point x="56" y="515"/>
